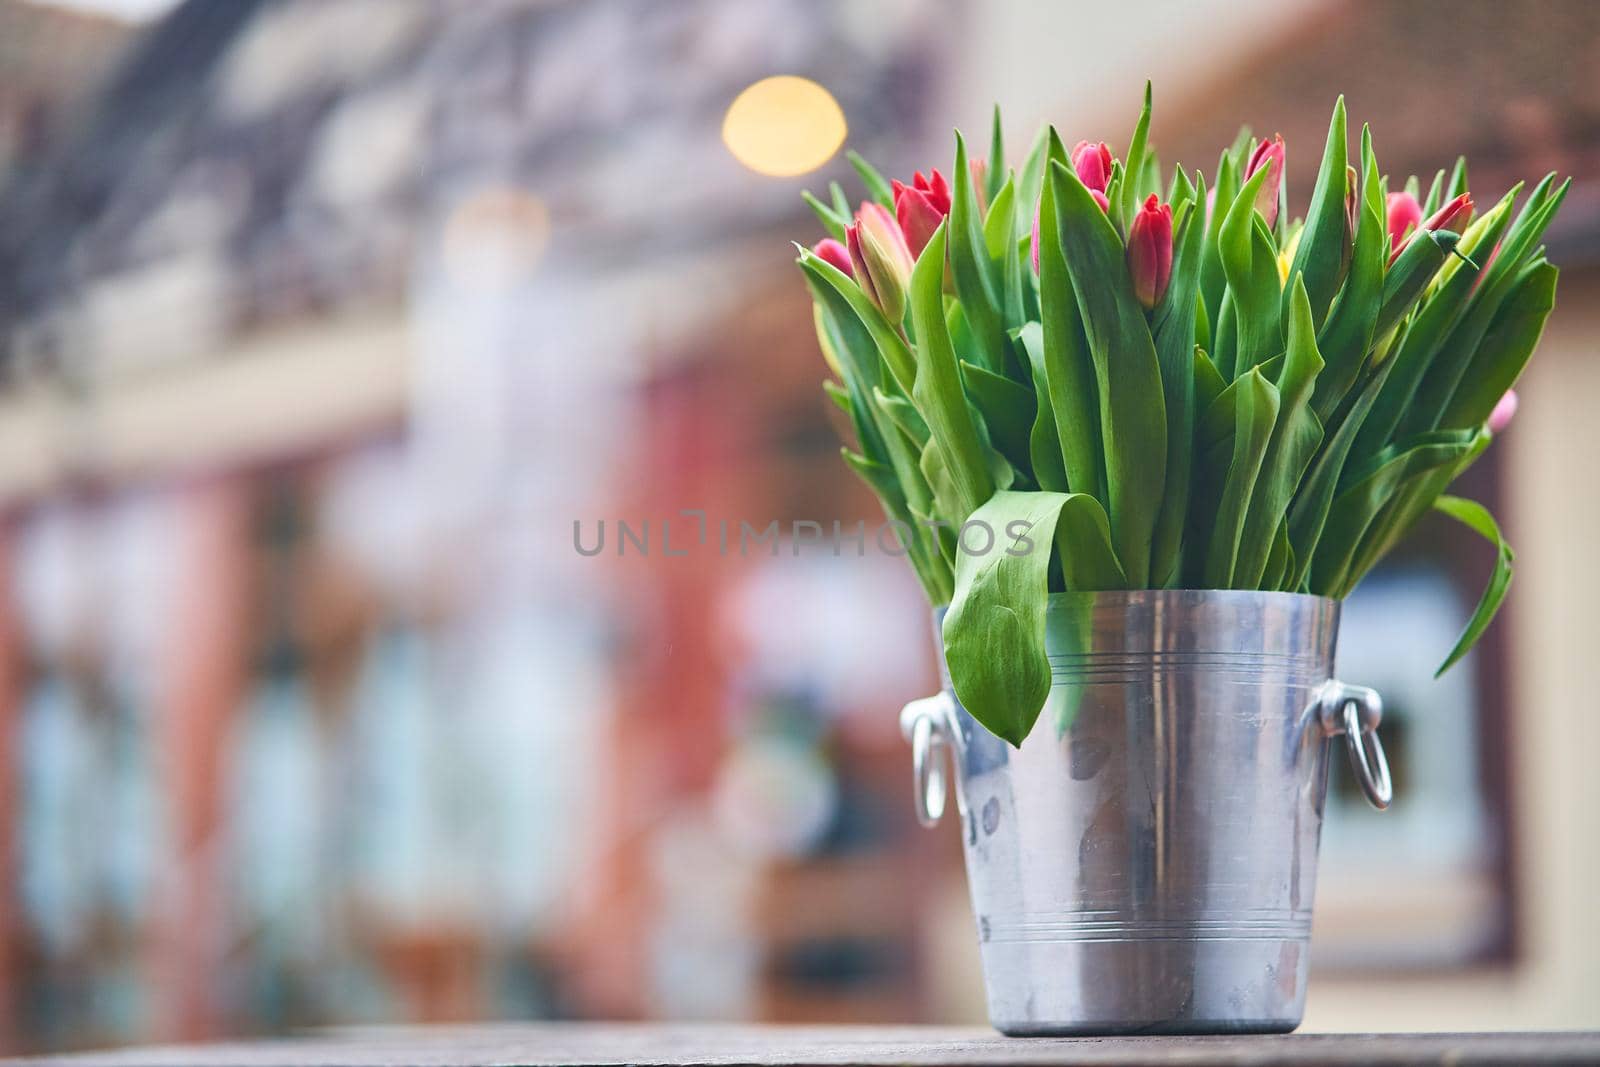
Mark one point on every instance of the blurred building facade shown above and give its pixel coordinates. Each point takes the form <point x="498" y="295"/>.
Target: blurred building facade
<point x="329" y="320"/>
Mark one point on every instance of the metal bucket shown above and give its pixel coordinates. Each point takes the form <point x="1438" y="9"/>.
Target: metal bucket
<point x="1145" y="862"/>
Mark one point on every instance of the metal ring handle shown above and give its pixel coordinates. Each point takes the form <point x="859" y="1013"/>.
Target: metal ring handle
<point x="923" y="723"/>
<point x="1367" y="760"/>
<point x="1355" y="711"/>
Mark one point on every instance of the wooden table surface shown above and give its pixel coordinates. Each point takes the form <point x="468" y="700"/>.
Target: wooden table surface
<point x="538" y="1044"/>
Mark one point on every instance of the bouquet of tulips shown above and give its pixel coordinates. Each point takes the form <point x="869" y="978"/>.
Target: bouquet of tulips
<point x="1083" y="374"/>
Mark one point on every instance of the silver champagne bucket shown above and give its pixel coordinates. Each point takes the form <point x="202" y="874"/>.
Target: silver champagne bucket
<point x="1146" y="861"/>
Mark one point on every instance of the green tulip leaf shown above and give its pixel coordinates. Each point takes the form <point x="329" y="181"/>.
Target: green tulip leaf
<point x="1254" y="403"/>
<point x="937" y="391"/>
<point x="1296" y="433"/>
<point x="1044" y="442"/>
<point x="972" y="270"/>
<point x="878" y="187"/>
<point x="1512" y="336"/>
<point x="1133" y="421"/>
<point x="1476" y="518"/>
<point x="1070" y="367"/>
<point x="994" y="632"/>
<point x="1319" y="256"/>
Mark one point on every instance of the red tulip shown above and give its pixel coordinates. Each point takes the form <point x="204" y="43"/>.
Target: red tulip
<point x="1269" y="154"/>
<point x="1033" y="246"/>
<point x="917" y="214"/>
<point x="834" y="253"/>
<point x="880" y="259"/>
<point x="1453" y="216"/>
<point x="936" y="187"/>
<point x="1405" y="214"/>
<point x="1150" y="251"/>
<point x="1093" y="164"/>
<point x="1500" y="417"/>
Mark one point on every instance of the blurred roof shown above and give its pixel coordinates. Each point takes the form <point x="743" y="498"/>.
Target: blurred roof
<point x="262" y="160"/>
<point x="50" y="60"/>
<point x="1513" y="87"/>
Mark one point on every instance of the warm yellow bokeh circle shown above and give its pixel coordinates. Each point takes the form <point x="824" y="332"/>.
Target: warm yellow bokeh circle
<point x="784" y="126"/>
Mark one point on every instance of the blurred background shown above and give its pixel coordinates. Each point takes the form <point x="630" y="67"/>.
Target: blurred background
<point x="322" y="322"/>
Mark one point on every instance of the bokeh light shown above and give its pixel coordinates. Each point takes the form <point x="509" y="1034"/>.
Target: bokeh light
<point x="784" y="126"/>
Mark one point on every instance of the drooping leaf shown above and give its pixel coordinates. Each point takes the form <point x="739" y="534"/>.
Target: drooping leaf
<point x="1476" y="517"/>
<point x="1083" y="546"/>
<point x="994" y="630"/>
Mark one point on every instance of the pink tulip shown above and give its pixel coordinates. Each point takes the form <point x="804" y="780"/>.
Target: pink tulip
<point x="917" y="214"/>
<point x="880" y="258"/>
<point x="937" y="189"/>
<point x="1033" y="246"/>
<point x="1270" y="154"/>
<point x="1503" y="411"/>
<point x="1092" y="162"/>
<point x="1150" y="251"/>
<point x="1453" y="216"/>
<point x="1405" y="214"/>
<point x="835" y="254"/>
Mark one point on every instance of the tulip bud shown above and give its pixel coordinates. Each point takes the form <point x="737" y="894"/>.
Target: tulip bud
<point x="1033" y="246"/>
<point x="881" y="260"/>
<point x="1352" y="218"/>
<point x="1404" y="215"/>
<point x="833" y="253"/>
<point x="936" y="188"/>
<point x="1352" y="201"/>
<point x="1269" y="154"/>
<point x="1453" y="216"/>
<point x="917" y="214"/>
<point x="1150" y="251"/>
<point x="980" y="183"/>
<point x="1092" y="162"/>
<point x="1500" y="417"/>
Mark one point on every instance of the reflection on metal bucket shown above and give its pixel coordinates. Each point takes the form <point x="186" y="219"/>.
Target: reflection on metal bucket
<point x="1146" y="861"/>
